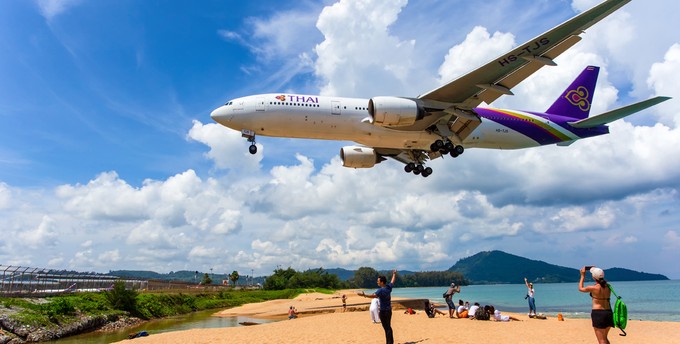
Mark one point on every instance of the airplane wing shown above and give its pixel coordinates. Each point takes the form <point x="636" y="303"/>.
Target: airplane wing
<point x="496" y="78"/>
<point x="613" y="115"/>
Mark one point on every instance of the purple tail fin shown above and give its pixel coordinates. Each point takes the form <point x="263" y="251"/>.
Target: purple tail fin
<point x="576" y="100"/>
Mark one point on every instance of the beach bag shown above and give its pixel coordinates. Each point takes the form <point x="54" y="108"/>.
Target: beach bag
<point x="620" y="313"/>
<point x="481" y="314"/>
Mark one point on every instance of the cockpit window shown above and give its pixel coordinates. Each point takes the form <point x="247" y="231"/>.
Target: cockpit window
<point x="228" y="103"/>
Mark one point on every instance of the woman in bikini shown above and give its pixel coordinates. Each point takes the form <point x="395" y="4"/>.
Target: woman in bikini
<point x="601" y="314"/>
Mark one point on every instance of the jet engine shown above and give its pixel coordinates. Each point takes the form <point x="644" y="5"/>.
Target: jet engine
<point x="358" y="157"/>
<point x="394" y="111"/>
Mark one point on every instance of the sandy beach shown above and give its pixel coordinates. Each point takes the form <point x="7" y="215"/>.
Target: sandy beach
<point x="322" y="320"/>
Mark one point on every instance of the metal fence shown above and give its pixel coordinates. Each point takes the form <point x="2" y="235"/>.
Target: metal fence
<point x="27" y="281"/>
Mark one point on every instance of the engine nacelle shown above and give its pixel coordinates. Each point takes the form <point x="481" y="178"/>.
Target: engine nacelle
<point x="358" y="157"/>
<point x="394" y="111"/>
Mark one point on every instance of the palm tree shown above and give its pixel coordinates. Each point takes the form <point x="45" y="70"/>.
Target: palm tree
<point x="234" y="277"/>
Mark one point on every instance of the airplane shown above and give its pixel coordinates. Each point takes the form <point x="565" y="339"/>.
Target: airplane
<point x="446" y="120"/>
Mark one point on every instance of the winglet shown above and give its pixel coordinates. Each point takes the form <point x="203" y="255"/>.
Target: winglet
<point x="575" y="101"/>
<point x="619" y="113"/>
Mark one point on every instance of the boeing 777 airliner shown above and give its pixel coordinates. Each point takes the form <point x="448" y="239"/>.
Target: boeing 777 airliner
<point x="444" y="121"/>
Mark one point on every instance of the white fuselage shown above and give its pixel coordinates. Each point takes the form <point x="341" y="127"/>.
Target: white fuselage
<point x="344" y="119"/>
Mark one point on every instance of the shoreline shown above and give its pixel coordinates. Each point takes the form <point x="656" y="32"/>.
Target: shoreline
<point x="321" y="319"/>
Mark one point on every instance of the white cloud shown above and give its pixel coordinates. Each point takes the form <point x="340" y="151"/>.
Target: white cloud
<point x="358" y="55"/>
<point x="663" y="78"/>
<point x="45" y="234"/>
<point x="227" y="147"/>
<point x="5" y="195"/>
<point x="52" y="8"/>
<point x="478" y="47"/>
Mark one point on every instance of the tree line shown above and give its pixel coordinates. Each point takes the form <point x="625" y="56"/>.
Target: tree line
<point x="364" y="277"/>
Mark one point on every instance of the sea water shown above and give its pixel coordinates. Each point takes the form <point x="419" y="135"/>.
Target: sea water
<point x="646" y="300"/>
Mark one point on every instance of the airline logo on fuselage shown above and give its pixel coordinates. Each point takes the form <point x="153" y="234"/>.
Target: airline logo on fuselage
<point x="579" y="97"/>
<point x="298" y="99"/>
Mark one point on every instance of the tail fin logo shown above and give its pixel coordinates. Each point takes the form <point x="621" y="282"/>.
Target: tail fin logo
<point x="579" y="97"/>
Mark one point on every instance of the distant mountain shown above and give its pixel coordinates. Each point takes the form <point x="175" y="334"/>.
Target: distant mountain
<point x="343" y="274"/>
<point x="491" y="267"/>
<point x="346" y="275"/>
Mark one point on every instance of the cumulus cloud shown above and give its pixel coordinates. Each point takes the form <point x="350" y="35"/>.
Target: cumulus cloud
<point x="663" y="78"/>
<point x="358" y="55"/>
<point x="479" y="47"/>
<point x="43" y="235"/>
<point x="227" y="147"/>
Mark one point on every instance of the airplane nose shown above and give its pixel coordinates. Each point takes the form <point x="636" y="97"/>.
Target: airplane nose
<point x="220" y="115"/>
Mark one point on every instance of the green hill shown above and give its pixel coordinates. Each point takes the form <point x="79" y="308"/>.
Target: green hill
<point x="492" y="267"/>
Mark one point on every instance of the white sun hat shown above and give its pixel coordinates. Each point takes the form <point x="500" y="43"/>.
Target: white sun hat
<point x="597" y="273"/>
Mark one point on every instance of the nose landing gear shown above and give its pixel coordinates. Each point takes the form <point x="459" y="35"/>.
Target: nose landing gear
<point x="250" y="135"/>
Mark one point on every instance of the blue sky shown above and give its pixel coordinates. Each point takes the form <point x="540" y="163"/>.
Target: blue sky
<point x="109" y="159"/>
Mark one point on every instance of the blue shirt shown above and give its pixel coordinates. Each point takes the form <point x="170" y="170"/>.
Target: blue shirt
<point x="384" y="297"/>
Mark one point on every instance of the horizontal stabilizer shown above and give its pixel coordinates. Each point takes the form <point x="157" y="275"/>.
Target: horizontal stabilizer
<point x="619" y="113"/>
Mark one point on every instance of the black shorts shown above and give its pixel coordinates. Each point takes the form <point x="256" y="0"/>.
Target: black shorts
<point x="602" y="318"/>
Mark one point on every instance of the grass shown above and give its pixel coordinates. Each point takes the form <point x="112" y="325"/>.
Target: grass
<point x="53" y="311"/>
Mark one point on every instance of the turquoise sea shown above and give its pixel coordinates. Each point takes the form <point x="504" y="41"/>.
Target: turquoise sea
<point x="648" y="300"/>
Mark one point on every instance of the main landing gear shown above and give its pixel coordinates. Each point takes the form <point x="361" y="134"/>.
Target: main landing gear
<point x="447" y="148"/>
<point x="250" y="135"/>
<point x="418" y="169"/>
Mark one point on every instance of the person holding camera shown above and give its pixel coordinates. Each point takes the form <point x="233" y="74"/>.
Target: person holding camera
<point x="601" y="315"/>
<point x="384" y="295"/>
<point x="530" y="297"/>
<point x="448" y="297"/>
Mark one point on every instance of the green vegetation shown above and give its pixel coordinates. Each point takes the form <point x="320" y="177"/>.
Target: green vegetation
<point x="206" y="279"/>
<point x="233" y="277"/>
<point x="291" y="279"/>
<point x="57" y="311"/>
<point x="122" y="299"/>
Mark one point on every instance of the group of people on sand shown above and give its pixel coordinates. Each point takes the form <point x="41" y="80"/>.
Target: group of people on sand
<point x="466" y="311"/>
<point x="601" y="315"/>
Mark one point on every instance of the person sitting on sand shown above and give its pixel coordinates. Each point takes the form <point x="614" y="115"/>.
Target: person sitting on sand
<point x="461" y="311"/>
<point x="431" y="309"/>
<point x="473" y="309"/>
<point x="292" y="313"/>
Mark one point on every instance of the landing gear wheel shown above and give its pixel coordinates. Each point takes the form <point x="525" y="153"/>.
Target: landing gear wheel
<point x="454" y="154"/>
<point x="437" y="145"/>
<point x="409" y="167"/>
<point x="459" y="149"/>
<point x="427" y="171"/>
<point x="449" y="147"/>
<point x="252" y="149"/>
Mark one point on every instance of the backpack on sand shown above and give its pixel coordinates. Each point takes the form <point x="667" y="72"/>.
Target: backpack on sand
<point x="620" y="312"/>
<point x="481" y="314"/>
